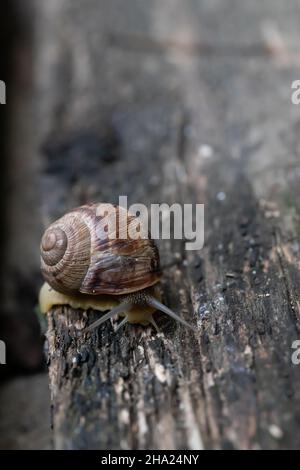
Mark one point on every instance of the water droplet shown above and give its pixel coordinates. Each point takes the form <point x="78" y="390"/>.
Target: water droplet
<point x="221" y="196"/>
<point x="205" y="151"/>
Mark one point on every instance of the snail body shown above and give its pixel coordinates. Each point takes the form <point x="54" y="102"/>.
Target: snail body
<point x="49" y="298"/>
<point x="88" y="260"/>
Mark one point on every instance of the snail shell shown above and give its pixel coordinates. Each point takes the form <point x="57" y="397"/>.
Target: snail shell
<point x="78" y="255"/>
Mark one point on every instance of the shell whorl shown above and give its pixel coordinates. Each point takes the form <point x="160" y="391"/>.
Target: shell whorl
<point x="77" y="255"/>
<point x="65" y="253"/>
<point x="53" y="245"/>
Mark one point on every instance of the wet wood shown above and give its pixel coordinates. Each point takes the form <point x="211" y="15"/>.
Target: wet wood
<point x="163" y="126"/>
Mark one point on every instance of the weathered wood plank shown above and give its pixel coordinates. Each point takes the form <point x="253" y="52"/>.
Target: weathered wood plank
<point x="232" y="384"/>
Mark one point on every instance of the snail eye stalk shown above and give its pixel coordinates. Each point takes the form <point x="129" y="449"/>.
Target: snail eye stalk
<point x="126" y="305"/>
<point x="159" y="306"/>
<point x="123" y="306"/>
<point x="121" y="324"/>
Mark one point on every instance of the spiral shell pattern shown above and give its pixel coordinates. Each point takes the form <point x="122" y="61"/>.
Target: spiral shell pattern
<point x="79" y="254"/>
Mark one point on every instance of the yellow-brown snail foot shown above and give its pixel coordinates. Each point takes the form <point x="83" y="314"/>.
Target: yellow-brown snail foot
<point x="137" y="313"/>
<point x="137" y="307"/>
<point x="49" y="298"/>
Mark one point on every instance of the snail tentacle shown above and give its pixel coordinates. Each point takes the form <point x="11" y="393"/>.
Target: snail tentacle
<point x="153" y="323"/>
<point x="159" y="306"/>
<point x="121" y="324"/>
<point x="123" y="306"/>
<point x="126" y="305"/>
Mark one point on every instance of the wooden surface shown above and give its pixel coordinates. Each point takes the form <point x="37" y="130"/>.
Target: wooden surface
<point x="166" y="102"/>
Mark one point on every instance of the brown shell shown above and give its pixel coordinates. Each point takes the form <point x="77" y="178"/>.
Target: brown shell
<point x="81" y="253"/>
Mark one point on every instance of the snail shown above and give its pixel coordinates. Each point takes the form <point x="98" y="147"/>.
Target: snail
<point x="88" y="261"/>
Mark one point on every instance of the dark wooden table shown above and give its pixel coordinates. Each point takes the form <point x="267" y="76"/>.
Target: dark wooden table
<point x="179" y="102"/>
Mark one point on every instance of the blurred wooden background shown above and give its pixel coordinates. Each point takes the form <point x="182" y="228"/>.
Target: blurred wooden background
<point x="164" y="102"/>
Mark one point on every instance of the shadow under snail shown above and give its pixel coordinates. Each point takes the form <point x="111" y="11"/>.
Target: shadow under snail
<point x="85" y="266"/>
